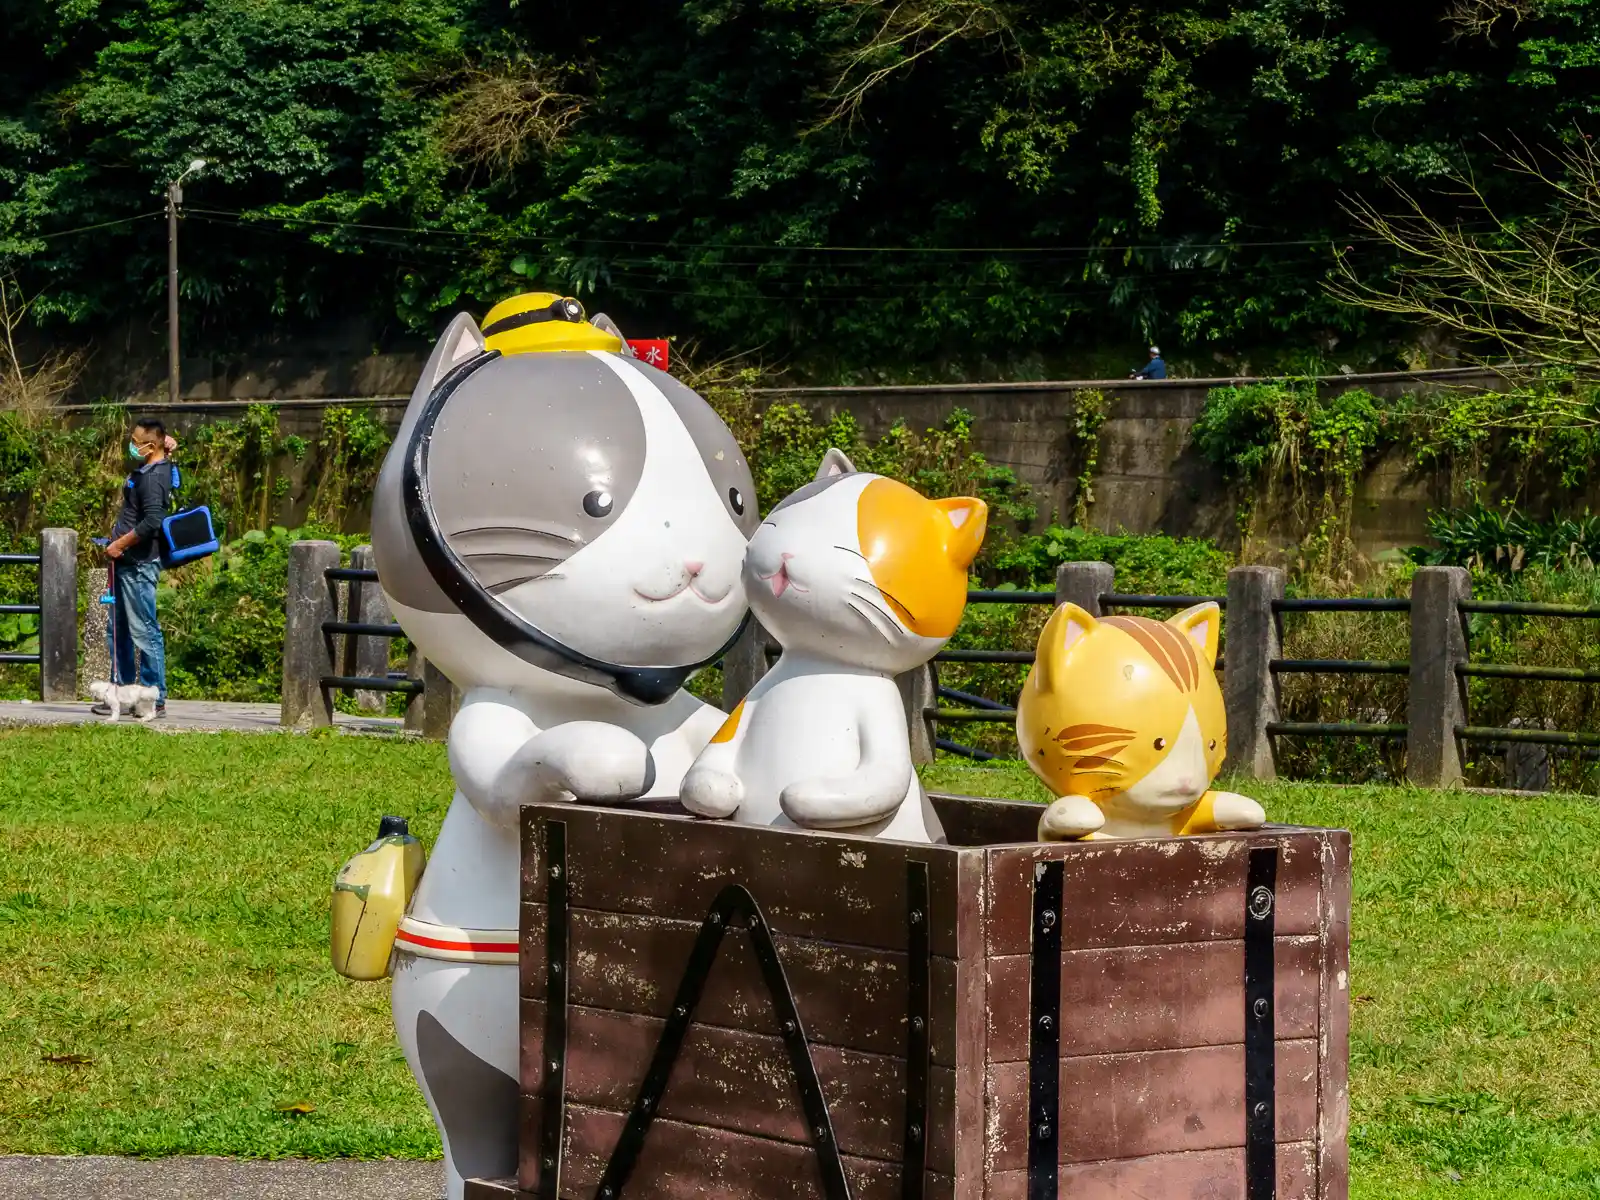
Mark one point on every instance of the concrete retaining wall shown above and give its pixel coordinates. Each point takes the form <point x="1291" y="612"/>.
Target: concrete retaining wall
<point x="1150" y="478"/>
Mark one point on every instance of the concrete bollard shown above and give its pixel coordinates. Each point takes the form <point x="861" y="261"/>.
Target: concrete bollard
<point x="307" y="650"/>
<point x="1437" y="702"/>
<point x="96" y="628"/>
<point x="1083" y="583"/>
<point x="919" y="690"/>
<point x="1254" y="637"/>
<point x="440" y="700"/>
<point x="1528" y="763"/>
<point x="416" y="702"/>
<point x="58" y="617"/>
<point x="744" y="664"/>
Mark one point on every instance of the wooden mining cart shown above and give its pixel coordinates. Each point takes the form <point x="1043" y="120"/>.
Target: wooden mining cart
<point x="713" y="1011"/>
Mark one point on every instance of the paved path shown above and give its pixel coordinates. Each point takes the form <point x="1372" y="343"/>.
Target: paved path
<point x="97" y="1177"/>
<point x="187" y="715"/>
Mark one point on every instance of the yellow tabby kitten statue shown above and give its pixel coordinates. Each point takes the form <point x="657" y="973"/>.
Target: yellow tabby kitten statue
<point x="1123" y="720"/>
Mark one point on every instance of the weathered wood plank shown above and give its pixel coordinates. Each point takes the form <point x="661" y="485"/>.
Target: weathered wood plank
<point x="834" y="887"/>
<point x="971" y="1028"/>
<point x="1333" y="1063"/>
<point x="687" y="1162"/>
<point x="848" y="996"/>
<point x="1159" y="1102"/>
<point x="1153" y="997"/>
<point x="1152" y="893"/>
<point x="743" y="1082"/>
<point x="1195" y="1175"/>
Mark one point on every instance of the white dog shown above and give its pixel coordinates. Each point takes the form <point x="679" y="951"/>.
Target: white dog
<point x="126" y="697"/>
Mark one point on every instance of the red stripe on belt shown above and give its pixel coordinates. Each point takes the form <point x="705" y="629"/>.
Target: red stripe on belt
<point x="406" y="935"/>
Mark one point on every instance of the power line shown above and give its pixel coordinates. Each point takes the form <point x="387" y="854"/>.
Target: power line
<point x="61" y="233"/>
<point x="1110" y="247"/>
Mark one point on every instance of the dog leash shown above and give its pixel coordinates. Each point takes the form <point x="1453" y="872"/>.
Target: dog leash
<point x="110" y="598"/>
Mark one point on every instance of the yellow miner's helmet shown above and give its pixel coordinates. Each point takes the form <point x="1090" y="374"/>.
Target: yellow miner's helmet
<point x="543" y="321"/>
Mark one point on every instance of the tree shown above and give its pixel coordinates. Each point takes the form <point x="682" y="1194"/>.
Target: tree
<point x="1527" y="286"/>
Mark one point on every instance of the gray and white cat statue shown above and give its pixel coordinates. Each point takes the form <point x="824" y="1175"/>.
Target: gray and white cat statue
<point x="561" y="532"/>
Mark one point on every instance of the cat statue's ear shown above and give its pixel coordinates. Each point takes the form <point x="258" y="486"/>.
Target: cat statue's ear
<point x="969" y="520"/>
<point x="1202" y="625"/>
<point x="1061" y="633"/>
<point x="834" y="462"/>
<point x="462" y="340"/>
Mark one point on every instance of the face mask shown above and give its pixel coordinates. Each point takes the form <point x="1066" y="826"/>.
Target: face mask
<point x="134" y="452"/>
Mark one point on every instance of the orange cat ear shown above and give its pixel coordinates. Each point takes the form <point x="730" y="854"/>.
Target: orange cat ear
<point x="1202" y="625"/>
<point x="970" y="518"/>
<point x="1061" y="632"/>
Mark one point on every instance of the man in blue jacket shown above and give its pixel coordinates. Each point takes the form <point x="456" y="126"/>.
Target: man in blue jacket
<point x="1154" y="369"/>
<point x="135" y="548"/>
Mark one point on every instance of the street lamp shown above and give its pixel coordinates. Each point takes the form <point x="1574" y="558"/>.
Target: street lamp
<point x="175" y="198"/>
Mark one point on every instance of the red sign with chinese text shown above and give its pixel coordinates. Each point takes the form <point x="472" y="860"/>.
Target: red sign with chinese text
<point x="649" y="350"/>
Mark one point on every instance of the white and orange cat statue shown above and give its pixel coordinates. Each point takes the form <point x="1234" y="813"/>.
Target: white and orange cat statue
<point x="1123" y="719"/>
<point x="859" y="578"/>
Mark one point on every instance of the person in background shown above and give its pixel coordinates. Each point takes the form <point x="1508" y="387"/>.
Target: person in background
<point x="135" y="549"/>
<point x="1154" y="369"/>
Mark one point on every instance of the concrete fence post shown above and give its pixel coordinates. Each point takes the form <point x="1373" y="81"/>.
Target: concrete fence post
<point x="919" y="690"/>
<point x="1437" y="703"/>
<point x="744" y="664"/>
<point x="1528" y="763"/>
<point x="1253" y="638"/>
<point x="440" y="700"/>
<point x="365" y="655"/>
<point x="307" y="650"/>
<point x="1083" y="583"/>
<point x="416" y="702"/>
<point x="58" y="616"/>
<point x="96" y="628"/>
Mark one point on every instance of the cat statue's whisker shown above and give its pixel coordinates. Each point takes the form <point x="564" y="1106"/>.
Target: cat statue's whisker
<point x="870" y="622"/>
<point x="822" y="740"/>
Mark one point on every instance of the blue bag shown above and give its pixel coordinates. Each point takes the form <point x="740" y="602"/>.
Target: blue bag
<point x="187" y="535"/>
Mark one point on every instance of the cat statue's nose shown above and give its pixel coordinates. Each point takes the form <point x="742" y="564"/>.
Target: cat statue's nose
<point x="694" y="568"/>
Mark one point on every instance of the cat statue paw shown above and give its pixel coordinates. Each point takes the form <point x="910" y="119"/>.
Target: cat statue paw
<point x="1123" y="720"/>
<point x="560" y="529"/>
<point x="859" y="578"/>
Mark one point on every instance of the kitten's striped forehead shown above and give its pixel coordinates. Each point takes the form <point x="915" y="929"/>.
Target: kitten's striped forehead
<point x="1170" y="650"/>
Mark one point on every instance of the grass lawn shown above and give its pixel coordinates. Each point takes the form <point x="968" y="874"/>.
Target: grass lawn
<point x="162" y="915"/>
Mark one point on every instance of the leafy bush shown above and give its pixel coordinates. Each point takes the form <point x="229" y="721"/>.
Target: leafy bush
<point x="1504" y="541"/>
<point x="1150" y="564"/>
<point x="223" y="617"/>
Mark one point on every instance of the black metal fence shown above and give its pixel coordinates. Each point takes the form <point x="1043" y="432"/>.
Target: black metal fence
<point x="55" y="604"/>
<point x="970" y="707"/>
<point x="36" y="609"/>
<point x="358" y="578"/>
<point x="337" y="633"/>
<point x="1436" y="730"/>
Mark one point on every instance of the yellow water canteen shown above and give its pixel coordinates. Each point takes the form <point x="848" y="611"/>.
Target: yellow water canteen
<point x="370" y="896"/>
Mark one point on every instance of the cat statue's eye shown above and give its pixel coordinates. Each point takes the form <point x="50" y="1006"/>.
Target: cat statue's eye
<point x="1213" y="745"/>
<point x="597" y="504"/>
<point x="1161" y="743"/>
<point x="736" y="501"/>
